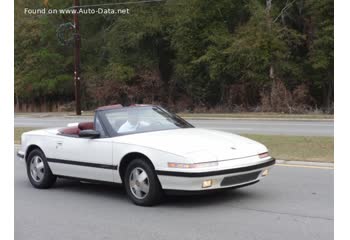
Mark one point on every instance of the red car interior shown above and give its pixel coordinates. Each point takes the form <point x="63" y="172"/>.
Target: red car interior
<point x="90" y="125"/>
<point x="76" y="130"/>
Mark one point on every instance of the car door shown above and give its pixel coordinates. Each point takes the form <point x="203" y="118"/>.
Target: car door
<point x="83" y="158"/>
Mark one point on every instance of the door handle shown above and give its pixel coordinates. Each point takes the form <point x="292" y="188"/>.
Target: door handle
<point x="59" y="144"/>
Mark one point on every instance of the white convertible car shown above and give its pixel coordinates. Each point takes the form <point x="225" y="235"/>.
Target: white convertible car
<point x="148" y="150"/>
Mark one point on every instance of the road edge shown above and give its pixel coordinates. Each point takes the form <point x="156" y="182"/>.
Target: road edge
<point x="88" y="115"/>
<point x="305" y="163"/>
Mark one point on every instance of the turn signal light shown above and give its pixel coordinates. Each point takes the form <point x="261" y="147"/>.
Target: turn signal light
<point x="264" y="155"/>
<point x="192" y="165"/>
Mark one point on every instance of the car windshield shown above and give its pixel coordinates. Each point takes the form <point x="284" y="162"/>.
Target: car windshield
<point x="132" y="120"/>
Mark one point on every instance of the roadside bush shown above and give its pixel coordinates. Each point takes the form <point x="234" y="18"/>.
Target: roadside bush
<point x="280" y="99"/>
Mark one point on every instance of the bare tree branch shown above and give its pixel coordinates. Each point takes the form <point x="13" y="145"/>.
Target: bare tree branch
<point x="288" y="5"/>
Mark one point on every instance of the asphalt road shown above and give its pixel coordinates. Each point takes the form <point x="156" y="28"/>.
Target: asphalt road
<point x="269" y="127"/>
<point x="293" y="203"/>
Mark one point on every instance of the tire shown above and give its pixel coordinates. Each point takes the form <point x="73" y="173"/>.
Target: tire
<point x="141" y="183"/>
<point x="38" y="171"/>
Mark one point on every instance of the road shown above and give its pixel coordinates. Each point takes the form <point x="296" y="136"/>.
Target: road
<point x="268" y="127"/>
<point x="292" y="203"/>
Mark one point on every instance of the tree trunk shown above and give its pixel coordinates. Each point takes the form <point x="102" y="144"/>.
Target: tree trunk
<point x="269" y="23"/>
<point x="17" y="107"/>
<point x="271" y="69"/>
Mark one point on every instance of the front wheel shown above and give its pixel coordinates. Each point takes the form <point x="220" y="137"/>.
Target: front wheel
<point x="38" y="171"/>
<point x="142" y="184"/>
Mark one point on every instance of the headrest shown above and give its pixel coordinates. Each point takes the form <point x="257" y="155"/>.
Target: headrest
<point x="86" y="125"/>
<point x="69" y="130"/>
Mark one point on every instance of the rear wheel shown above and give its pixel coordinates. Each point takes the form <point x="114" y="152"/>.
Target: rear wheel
<point x="38" y="171"/>
<point x="142" y="184"/>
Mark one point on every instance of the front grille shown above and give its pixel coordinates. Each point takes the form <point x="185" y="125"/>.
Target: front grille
<point x="233" y="180"/>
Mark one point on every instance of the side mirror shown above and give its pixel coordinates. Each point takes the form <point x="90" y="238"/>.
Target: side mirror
<point x="89" y="133"/>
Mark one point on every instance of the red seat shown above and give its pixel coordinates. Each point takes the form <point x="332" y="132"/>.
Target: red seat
<point x="76" y="130"/>
<point x="86" y="125"/>
<point x="70" y="130"/>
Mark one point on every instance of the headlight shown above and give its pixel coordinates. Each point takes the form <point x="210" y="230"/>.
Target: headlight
<point x="264" y="155"/>
<point x="207" y="183"/>
<point x="265" y="172"/>
<point x="192" y="165"/>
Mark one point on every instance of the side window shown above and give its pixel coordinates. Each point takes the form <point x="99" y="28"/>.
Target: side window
<point x="99" y="128"/>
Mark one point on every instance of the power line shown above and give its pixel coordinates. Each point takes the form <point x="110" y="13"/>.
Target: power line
<point x="119" y="3"/>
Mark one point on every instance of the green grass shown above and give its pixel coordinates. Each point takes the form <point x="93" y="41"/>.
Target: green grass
<point x="297" y="148"/>
<point x="18" y="132"/>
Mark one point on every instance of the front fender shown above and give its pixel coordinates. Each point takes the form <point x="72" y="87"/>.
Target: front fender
<point x="158" y="158"/>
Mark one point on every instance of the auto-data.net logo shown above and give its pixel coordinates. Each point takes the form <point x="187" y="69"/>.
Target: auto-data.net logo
<point x="72" y="11"/>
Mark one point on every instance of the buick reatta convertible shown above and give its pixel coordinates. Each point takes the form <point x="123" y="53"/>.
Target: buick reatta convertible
<point x="147" y="149"/>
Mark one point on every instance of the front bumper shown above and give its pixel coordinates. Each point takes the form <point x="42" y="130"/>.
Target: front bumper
<point x="221" y="179"/>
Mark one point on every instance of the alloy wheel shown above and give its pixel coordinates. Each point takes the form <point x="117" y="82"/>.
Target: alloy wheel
<point x="139" y="183"/>
<point x="37" y="168"/>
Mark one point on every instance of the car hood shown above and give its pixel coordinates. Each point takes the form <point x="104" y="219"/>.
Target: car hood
<point x="197" y="145"/>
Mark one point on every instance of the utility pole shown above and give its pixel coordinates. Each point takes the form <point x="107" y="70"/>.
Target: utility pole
<point x="77" y="44"/>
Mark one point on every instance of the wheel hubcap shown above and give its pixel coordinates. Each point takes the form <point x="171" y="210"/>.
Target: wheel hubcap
<point x="37" y="169"/>
<point x="139" y="183"/>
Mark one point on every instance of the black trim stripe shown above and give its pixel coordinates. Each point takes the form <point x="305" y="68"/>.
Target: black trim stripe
<point x="87" y="180"/>
<point x="272" y="161"/>
<point x="20" y="155"/>
<point x="84" y="164"/>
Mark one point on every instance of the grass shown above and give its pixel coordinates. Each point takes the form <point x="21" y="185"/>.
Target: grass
<point x="18" y="132"/>
<point x="296" y="148"/>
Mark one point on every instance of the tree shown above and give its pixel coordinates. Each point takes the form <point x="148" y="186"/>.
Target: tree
<point x="41" y="65"/>
<point x="321" y="49"/>
<point x="187" y="54"/>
